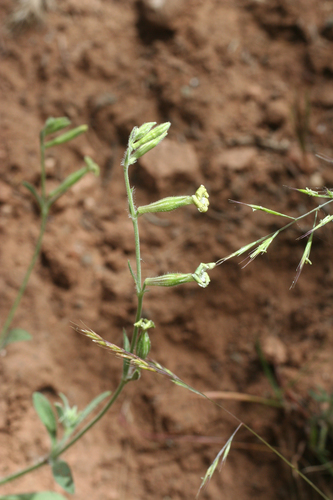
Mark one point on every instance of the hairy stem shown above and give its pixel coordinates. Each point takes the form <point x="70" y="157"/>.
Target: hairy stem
<point x="134" y="217"/>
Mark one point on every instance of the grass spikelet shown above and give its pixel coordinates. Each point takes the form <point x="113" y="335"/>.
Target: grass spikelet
<point x="239" y="252"/>
<point x="143" y="364"/>
<point x="263" y="209"/>
<point x="316" y="193"/>
<point x="322" y="223"/>
<point x="221" y="457"/>
<point x="305" y="257"/>
<point x="261" y="249"/>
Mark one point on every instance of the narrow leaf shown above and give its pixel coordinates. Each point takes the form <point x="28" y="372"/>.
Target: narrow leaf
<point x="91" y="406"/>
<point x="222" y="455"/>
<point x="17" y="335"/>
<point x="63" y="476"/>
<point x="68" y="136"/>
<point x="53" y="125"/>
<point x="127" y="344"/>
<point x="44" y="410"/>
<point x="33" y="191"/>
<point x="60" y="411"/>
<point x="268" y="371"/>
<point x="131" y="271"/>
<point x="70" y="180"/>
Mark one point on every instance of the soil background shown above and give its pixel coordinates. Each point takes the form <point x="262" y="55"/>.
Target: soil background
<point x="231" y="76"/>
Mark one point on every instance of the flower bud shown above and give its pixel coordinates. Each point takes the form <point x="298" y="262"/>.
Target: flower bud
<point x="143" y="346"/>
<point x="55" y="124"/>
<point x="156" y="134"/>
<point x="68" y="136"/>
<point x="143" y="130"/>
<point x="166" y="204"/>
<point x="146" y="147"/>
<point x="72" y="179"/>
<point x="172" y="279"/>
<point x="143" y="139"/>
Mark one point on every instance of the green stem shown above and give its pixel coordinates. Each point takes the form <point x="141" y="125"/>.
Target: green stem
<point x="137" y="318"/>
<point x="293" y="467"/>
<point x="42" y="164"/>
<point x="4" y="332"/>
<point x="16" y="475"/>
<point x="134" y="218"/>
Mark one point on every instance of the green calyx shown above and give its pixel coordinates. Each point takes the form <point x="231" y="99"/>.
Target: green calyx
<point x="199" y="199"/>
<point x="143" y="346"/>
<point x="171" y="279"/>
<point x="165" y="204"/>
<point x="200" y="276"/>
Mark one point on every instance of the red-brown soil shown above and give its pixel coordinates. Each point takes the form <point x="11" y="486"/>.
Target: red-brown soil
<point x="229" y="76"/>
